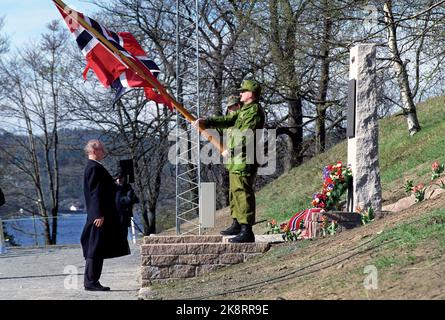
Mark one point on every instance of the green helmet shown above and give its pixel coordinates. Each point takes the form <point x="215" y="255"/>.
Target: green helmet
<point x="232" y="100"/>
<point x="250" y="85"/>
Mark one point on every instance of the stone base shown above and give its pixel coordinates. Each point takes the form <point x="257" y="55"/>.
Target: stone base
<point x="174" y="257"/>
<point x="261" y="238"/>
<point x="345" y="220"/>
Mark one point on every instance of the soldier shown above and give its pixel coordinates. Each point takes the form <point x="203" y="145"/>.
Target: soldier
<point x="233" y="104"/>
<point x="242" y="173"/>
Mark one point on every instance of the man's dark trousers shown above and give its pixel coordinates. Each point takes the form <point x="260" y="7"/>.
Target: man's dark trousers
<point x="93" y="270"/>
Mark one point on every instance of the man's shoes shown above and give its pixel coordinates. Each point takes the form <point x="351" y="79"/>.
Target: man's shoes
<point x="234" y="229"/>
<point x="246" y="235"/>
<point x="97" y="287"/>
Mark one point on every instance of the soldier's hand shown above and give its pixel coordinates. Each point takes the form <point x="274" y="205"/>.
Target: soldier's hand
<point x="225" y="153"/>
<point x="99" y="222"/>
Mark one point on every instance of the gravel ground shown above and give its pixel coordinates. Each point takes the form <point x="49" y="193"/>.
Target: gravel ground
<point x="56" y="273"/>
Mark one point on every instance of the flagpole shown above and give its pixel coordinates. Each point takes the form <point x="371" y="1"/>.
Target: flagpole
<point x="153" y="82"/>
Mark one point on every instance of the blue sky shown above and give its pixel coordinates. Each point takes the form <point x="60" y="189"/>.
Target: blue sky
<point x="25" y="20"/>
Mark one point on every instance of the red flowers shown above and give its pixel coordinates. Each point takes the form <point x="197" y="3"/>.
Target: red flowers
<point x="436" y="169"/>
<point x="335" y="181"/>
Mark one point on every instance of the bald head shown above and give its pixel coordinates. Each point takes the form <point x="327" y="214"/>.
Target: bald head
<point x="95" y="150"/>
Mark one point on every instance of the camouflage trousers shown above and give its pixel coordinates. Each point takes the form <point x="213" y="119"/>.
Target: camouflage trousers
<point x="242" y="197"/>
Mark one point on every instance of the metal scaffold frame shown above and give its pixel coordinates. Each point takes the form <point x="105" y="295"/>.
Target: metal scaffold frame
<point x="188" y="170"/>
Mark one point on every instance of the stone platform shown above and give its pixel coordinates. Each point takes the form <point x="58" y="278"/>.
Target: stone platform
<point x="175" y="257"/>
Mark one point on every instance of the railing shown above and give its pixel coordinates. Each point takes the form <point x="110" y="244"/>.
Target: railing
<point x="29" y="231"/>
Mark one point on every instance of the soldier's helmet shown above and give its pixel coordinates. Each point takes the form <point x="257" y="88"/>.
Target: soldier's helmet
<point x="232" y="100"/>
<point x="250" y="85"/>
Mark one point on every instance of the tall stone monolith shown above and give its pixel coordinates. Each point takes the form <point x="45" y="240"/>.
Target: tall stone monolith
<point x="363" y="133"/>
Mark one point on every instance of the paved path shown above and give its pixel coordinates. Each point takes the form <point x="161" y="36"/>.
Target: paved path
<point x="43" y="273"/>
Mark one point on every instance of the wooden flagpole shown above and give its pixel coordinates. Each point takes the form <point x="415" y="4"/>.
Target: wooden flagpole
<point x="140" y="72"/>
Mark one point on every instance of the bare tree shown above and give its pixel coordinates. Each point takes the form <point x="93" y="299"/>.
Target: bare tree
<point x="32" y="99"/>
<point x="147" y="145"/>
<point x="4" y="40"/>
<point x="408" y="105"/>
<point x="284" y="48"/>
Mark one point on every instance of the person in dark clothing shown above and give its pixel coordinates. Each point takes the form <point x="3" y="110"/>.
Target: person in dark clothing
<point x="125" y="199"/>
<point x="2" y="198"/>
<point x="102" y="236"/>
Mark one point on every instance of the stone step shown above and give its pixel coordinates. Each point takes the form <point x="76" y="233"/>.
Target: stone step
<point x="174" y="257"/>
<point x="196" y="259"/>
<point x="182" y="239"/>
<point x="203" y="248"/>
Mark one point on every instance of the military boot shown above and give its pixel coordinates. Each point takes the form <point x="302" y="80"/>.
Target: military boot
<point x="246" y="235"/>
<point x="234" y="229"/>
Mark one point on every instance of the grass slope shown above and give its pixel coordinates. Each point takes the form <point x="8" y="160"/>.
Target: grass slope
<point x="401" y="157"/>
<point x="405" y="249"/>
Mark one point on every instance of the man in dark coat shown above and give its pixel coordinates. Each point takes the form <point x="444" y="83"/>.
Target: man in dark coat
<point x="102" y="237"/>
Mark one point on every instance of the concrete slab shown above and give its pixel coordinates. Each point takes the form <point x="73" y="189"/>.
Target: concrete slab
<point x="56" y="273"/>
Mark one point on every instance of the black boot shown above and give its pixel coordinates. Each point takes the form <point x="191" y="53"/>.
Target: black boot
<point x="246" y="235"/>
<point x="234" y="229"/>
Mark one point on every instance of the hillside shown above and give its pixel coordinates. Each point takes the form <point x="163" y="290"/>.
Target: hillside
<point x="401" y="157"/>
<point x="402" y="246"/>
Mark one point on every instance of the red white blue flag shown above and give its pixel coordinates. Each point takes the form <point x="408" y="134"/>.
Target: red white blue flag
<point x="108" y="67"/>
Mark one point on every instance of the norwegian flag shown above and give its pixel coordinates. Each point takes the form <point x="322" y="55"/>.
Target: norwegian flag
<point x="310" y="220"/>
<point x="109" y="68"/>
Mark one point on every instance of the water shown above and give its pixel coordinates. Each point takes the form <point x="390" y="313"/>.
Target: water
<point x="29" y="232"/>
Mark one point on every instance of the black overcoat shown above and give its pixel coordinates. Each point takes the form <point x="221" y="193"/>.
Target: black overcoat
<point x="108" y="241"/>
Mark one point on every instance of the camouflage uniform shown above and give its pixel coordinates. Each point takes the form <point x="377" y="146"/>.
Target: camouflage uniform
<point x="241" y="166"/>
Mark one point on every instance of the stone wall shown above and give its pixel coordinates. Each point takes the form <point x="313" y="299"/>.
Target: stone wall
<point x="175" y="257"/>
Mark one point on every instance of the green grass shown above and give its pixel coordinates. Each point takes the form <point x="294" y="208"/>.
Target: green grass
<point x="410" y="234"/>
<point x="401" y="241"/>
<point x="401" y="157"/>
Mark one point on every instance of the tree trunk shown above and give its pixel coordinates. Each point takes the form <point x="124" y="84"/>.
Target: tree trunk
<point x="320" y="143"/>
<point x="46" y="230"/>
<point x="151" y="217"/>
<point x="145" y="219"/>
<point x="324" y="82"/>
<point x="295" y="141"/>
<point x="283" y="48"/>
<point x="408" y="106"/>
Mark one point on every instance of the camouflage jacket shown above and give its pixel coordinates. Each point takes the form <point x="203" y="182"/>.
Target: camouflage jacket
<point x="250" y="116"/>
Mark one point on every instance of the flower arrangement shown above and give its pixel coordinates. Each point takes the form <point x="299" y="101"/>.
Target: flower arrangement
<point x="437" y="169"/>
<point x="419" y="192"/>
<point x="289" y="235"/>
<point x="273" y="227"/>
<point x="335" y="183"/>
<point x="283" y="228"/>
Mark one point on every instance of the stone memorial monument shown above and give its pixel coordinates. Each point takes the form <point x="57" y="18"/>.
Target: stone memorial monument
<point x="363" y="151"/>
